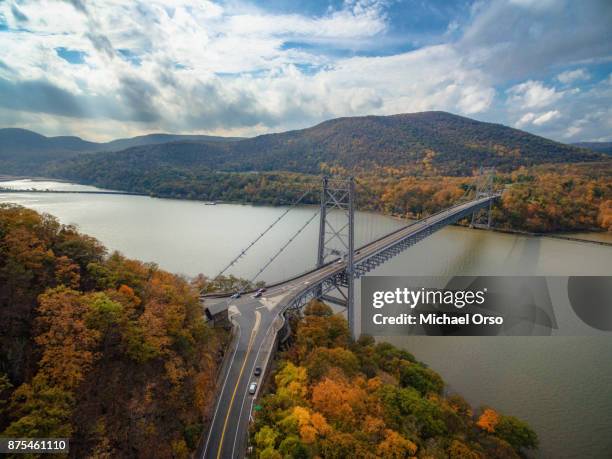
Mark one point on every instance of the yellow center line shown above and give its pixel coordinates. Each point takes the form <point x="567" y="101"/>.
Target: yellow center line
<point x="251" y="339"/>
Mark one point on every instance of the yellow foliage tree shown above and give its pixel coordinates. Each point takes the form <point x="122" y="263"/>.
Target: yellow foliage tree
<point x="394" y="446"/>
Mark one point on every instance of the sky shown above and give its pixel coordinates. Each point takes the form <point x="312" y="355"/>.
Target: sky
<point x="104" y="69"/>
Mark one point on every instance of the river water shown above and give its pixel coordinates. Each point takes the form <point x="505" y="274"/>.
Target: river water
<point x="561" y="385"/>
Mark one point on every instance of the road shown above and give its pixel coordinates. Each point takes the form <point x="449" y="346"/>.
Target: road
<point x="255" y="322"/>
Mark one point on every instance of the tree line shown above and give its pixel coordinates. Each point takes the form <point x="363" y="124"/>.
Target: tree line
<point x="576" y="197"/>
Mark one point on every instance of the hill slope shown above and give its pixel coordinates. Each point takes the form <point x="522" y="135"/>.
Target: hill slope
<point x="24" y="152"/>
<point x="156" y="139"/>
<point x="451" y="144"/>
<point x="89" y="342"/>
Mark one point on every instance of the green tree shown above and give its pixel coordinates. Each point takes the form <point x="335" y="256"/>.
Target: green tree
<point x="422" y="379"/>
<point x="266" y="438"/>
<point x="517" y="433"/>
<point x="292" y="447"/>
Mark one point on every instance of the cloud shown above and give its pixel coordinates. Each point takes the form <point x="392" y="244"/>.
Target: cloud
<point x="571" y="76"/>
<point x="537" y="119"/>
<point x="531" y="94"/>
<point x="546" y="117"/>
<point x="525" y="38"/>
<point x="239" y="68"/>
<point x="581" y="117"/>
<point x="17" y="14"/>
<point x="38" y="96"/>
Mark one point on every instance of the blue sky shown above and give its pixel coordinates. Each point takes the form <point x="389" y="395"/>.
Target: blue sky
<point x="104" y="69"/>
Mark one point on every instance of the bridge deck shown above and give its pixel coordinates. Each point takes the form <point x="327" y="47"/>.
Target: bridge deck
<point x="377" y="252"/>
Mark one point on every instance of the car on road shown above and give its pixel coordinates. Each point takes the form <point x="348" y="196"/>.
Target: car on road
<point x="262" y="290"/>
<point x="257" y="371"/>
<point x="252" y="388"/>
<point x="258" y="295"/>
<point x="236" y="295"/>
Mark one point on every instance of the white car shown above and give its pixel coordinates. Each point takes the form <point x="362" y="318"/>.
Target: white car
<point x="252" y="388"/>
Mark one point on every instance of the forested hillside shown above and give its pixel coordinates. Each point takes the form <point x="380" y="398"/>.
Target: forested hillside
<point x="450" y="144"/>
<point x="110" y="352"/>
<point x="24" y="152"/>
<point x="335" y="398"/>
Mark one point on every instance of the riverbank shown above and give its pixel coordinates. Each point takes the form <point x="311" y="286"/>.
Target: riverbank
<point x="550" y="235"/>
<point x="94" y="190"/>
<point x="10" y="178"/>
<point x="127" y="193"/>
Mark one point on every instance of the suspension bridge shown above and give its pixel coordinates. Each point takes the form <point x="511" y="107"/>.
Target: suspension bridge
<point x="259" y="322"/>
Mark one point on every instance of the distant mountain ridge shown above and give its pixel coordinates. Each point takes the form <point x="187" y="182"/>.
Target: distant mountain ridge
<point x="452" y="144"/>
<point x="22" y="150"/>
<point x="23" y="140"/>
<point x="601" y="147"/>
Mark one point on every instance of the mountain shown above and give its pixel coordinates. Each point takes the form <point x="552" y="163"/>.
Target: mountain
<point x="17" y="140"/>
<point x="155" y="139"/>
<point x="23" y="151"/>
<point x="454" y="145"/>
<point x="14" y="140"/>
<point x="601" y="147"/>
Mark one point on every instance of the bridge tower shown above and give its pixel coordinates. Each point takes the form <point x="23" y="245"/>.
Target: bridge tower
<point x="337" y="238"/>
<point x="484" y="188"/>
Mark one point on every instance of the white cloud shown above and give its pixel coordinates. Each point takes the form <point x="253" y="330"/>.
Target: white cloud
<point x="235" y="72"/>
<point x="570" y="76"/>
<point x="546" y="117"/>
<point x="532" y="94"/>
<point x="526" y="119"/>
<point x="234" y="68"/>
<point x="537" y="119"/>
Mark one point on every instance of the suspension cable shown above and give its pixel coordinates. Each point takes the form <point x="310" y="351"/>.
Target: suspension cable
<point x="244" y="251"/>
<point x="271" y="260"/>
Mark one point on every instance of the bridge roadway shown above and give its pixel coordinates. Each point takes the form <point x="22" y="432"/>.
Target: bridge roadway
<point x="257" y="320"/>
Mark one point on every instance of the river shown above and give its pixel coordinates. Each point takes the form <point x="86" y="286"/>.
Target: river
<point x="561" y="385"/>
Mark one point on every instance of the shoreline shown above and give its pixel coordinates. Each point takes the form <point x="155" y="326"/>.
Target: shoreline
<point x="8" y="178"/>
<point x="561" y="236"/>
